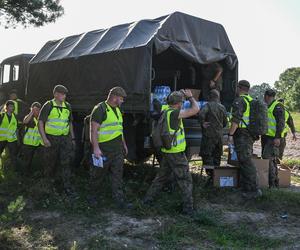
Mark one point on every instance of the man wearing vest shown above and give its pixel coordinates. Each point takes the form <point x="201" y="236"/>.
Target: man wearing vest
<point x="21" y="108"/>
<point x="174" y="160"/>
<point x="8" y="132"/>
<point x="107" y="139"/>
<point x="32" y="139"/>
<point x="56" y="129"/>
<point x="270" y="142"/>
<point x="243" y="141"/>
<point x="289" y="123"/>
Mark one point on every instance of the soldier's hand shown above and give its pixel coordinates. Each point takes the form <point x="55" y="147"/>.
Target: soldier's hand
<point x="230" y="140"/>
<point x="277" y="142"/>
<point x="125" y="149"/>
<point x="97" y="153"/>
<point x="47" y="143"/>
<point x="188" y="93"/>
<point x="294" y="137"/>
<point x="212" y="84"/>
<point x="206" y="124"/>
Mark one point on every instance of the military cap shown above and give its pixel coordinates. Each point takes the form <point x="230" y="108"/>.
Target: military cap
<point x="60" y="89"/>
<point x="270" y="92"/>
<point x="13" y="91"/>
<point x="118" y="91"/>
<point x="9" y="102"/>
<point x="175" y="97"/>
<point x="244" y="83"/>
<point x="36" y="104"/>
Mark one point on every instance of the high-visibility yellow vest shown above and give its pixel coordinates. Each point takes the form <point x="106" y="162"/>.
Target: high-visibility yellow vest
<point x="164" y="107"/>
<point x="112" y="126"/>
<point x="32" y="136"/>
<point x="286" y="127"/>
<point x="58" y="122"/>
<point x="246" y="114"/>
<point x="179" y="143"/>
<point x="271" y="119"/>
<point x="16" y="105"/>
<point x="8" y="129"/>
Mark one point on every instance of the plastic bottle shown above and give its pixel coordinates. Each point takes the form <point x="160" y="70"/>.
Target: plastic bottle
<point x="233" y="155"/>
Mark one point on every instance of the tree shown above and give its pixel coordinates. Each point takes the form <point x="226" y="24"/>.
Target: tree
<point x="29" y="13"/>
<point x="288" y="87"/>
<point x="258" y="91"/>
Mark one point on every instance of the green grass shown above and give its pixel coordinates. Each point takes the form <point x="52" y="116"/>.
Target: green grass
<point x="296" y="118"/>
<point x="205" y="230"/>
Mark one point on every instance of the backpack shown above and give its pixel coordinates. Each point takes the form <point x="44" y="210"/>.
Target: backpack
<point x="258" y="120"/>
<point x="161" y="137"/>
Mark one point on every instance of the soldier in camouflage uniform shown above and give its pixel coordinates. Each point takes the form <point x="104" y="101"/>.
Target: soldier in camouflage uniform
<point x="213" y="119"/>
<point x="174" y="160"/>
<point x="271" y="141"/>
<point x="289" y="124"/>
<point x="56" y="130"/>
<point x="243" y="141"/>
<point x="106" y="133"/>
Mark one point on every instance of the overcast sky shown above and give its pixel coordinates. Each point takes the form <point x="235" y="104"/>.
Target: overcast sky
<point x="265" y="34"/>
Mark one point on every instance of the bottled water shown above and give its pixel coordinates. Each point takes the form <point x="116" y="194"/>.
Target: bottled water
<point x="233" y="155"/>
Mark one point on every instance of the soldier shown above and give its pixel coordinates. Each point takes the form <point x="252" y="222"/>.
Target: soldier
<point x="289" y="123"/>
<point x="56" y="129"/>
<point x="174" y="160"/>
<point x="270" y="142"/>
<point x="21" y="108"/>
<point x="8" y="132"/>
<point x="243" y="141"/>
<point x="213" y="119"/>
<point x="107" y="139"/>
<point x="32" y="139"/>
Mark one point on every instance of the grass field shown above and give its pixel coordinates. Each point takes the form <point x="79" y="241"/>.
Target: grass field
<point x="296" y="117"/>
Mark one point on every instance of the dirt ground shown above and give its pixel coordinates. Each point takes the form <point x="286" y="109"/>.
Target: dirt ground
<point x="292" y="150"/>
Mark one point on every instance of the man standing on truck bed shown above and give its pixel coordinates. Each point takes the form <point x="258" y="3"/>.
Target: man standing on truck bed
<point x="107" y="139"/>
<point x="174" y="159"/>
<point x="243" y="141"/>
<point x="56" y="129"/>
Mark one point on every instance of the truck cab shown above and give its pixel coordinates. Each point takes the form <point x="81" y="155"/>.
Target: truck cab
<point x="14" y="75"/>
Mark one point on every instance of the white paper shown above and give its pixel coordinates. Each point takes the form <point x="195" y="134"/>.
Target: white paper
<point x="226" y="181"/>
<point x="97" y="162"/>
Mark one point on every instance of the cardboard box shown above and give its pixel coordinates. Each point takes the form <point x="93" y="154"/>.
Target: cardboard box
<point x="262" y="168"/>
<point x="284" y="176"/>
<point x="227" y="176"/>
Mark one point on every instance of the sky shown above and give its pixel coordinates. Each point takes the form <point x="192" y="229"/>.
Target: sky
<point x="265" y="34"/>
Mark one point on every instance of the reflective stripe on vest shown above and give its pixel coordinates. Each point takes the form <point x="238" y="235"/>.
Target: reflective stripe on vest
<point x="8" y="129"/>
<point x="58" y="120"/>
<point x="112" y="126"/>
<point x="246" y="114"/>
<point x="179" y="144"/>
<point x="271" y="119"/>
<point x="32" y="136"/>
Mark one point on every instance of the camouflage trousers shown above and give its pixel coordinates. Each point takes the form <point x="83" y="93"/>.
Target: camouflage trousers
<point x="282" y="147"/>
<point x="211" y="151"/>
<point x="12" y="150"/>
<point x="26" y="155"/>
<point x="57" y="159"/>
<point x="177" y="165"/>
<point x="271" y="152"/>
<point x="243" y="143"/>
<point x="113" y="168"/>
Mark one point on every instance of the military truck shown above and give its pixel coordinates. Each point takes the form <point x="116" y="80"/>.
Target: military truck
<point x="169" y="50"/>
